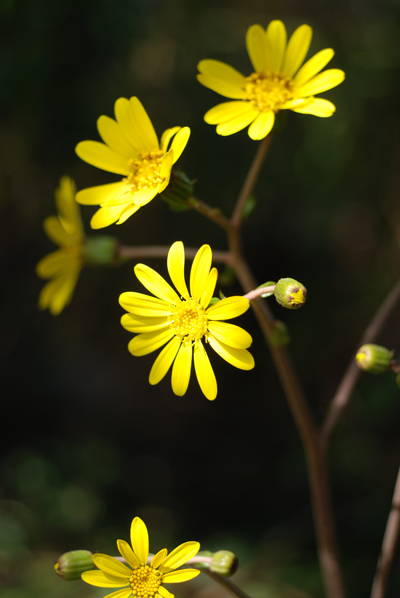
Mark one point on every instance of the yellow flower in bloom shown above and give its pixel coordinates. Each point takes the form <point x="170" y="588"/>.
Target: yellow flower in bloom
<point x="278" y="82"/>
<point x="183" y="320"/>
<point x="63" y="266"/>
<point x="143" y="580"/>
<point x="130" y="148"/>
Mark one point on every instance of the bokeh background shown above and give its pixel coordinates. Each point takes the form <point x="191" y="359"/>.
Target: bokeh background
<point x="86" y="443"/>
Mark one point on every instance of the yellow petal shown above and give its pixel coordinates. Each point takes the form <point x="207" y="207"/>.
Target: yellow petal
<point x="156" y="284"/>
<point x="93" y="196"/>
<point x="237" y="124"/>
<point x="166" y="165"/>
<point x="144" y="305"/>
<point x="166" y="138"/>
<point x="158" y="558"/>
<point x="179" y="556"/>
<point x="139" y="324"/>
<point x="222" y="87"/>
<point x="320" y="83"/>
<point x="128" y="554"/>
<point x="164" y="361"/>
<point x="276" y="37"/>
<point x="179" y="576"/>
<point x="127" y="213"/>
<point x="224" y="72"/>
<point x="204" y="372"/>
<point x="122" y="110"/>
<point x="199" y="271"/>
<point x="318" y="107"/>
<point x="146" y="343"/>
<point x="228" y="308"/>
<point x="239" y="358"/>
<point x="231" y="335"/>
<point x="66" y="205"/>
<point x="209" y="287"/>
<point x="179" y="142"/>
<point x="262" y="125"/>
<point x="313" y="66"/>
<point x="56" y="263"/>
<point x="100" y="580"/>
<point x="140" y="540"/>
<point x="257" y="48"/>
<point x="106" y="216"/>
<point x="57" y="293"/>
<point x="111" y="566"/>
<point x="142" y="125"/>
<point x="99" y="155"/>
<point x="163" y="592"/>
<point x="57" y="233"/>
<point x="111" y="134"/>
<point x="181" y="370"/>
<point x="226" y="111"/>
<point x="297" y="50"/>
<point x="125" y="593"/>
<point x="176" y="267"/>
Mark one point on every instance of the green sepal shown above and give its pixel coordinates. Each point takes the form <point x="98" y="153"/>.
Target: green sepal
<point x="398" y="380"/>
<point x="214" y="300"/>
<point x="270" y="283"/>
<point x="100" y="250"/>
<point x="178" y="191"/>
<point x="221" y="295"/>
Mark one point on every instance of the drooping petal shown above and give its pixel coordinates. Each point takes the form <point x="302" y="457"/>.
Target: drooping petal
<point x="179" y="142"/>
<point x="128" y="554"/>
<point x="181" y="370"/>
<point x="176" y="267"/>
<point x="209" y="287"/>
<point x="257" y="48"/>
<point x="276" y="37"/>
<point x="262" y="125"/>
<point x="228" y="308"/>
<point x="57" y="293"/>
<point x="100" y="155"/>
<point x="124" y="593"/>
<point x="163" y="592"/>
<point x="56" y="263"/>
<point x="140" y="324"/>
<point x="179" y="576"/>
<point x="179" y="556"/>
<point x="318" y="107"/>
<point x="122" y="110"/>
<point x="156" y="284"/>
<point x="158" y="558"/>
<point x="322" y="82"/>
<point x="66" y="206"/>
<point x="93" y="196"/>
<point x="127" y="213"/>
<point x="146" y="343"/>
<point x="221" y="71"/>
<point x="297" y="49"/>
<point x="166" y="138"/>
<point x="142" y="125"/>
<point x="106" y="216"/>
<point x="239" y="358"/>
<point x="231" y="335"/>
<point x="313" y="66"/>
<point x="226" y="111"/>
<point x="164" y="361"/>
<point x="238" y="123"/>
<point x="111" y="134"/>
<point x="140" y="540"/>
<point x="144" y="305"/>
<point x="111" y="566"/>
<point x="204" y="372"/>
<point x="56" y="232"/>
<point x="100" y="580"/>
<point x="199" y="271"/>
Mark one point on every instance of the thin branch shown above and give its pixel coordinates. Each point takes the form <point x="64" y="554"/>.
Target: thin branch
<point x="213" y="214"/>
<point x="388" y="545"/>
<point x="345" y="389"/>
<point x="161" y="251"/>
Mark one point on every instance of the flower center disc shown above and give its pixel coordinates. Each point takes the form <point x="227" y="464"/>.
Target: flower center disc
<point x="268" y="91"/>
<point x="145" y="581"/>
<point x="145" y="170"/>
<point x="189" y="320"/>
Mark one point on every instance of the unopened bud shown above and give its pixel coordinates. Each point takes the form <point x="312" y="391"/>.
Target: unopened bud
<point x="279" y="335"/>
<point x="289" y="293"/>
<point x="100" y="250"/>
<point x="224" y="562"/>
<point x="72" y="564"/>
<point x="374" y="358"/>
<point x="179" y="189"/>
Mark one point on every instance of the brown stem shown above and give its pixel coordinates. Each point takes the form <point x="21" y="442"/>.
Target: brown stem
<point x="161" y="251"/>
<point x="388" y="545"/>
<point x="213" y="214"/>
<point x="231" y="587"/>
<point x="343" y="393"/>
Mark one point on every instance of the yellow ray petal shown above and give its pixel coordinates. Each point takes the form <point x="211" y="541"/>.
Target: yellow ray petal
<point x="297" y="50"/>
<point x="167" y="136"/>
<point x="127" y="213"/>
<point x="257" y="48"/>
<point x="128" y="554"/>
<point x="226" y="111"/>
<point x="66" y="205"/>
<point x="111" y="566"/>
<point x="320" y="83"/>
<point x="231" y="335"/>
<point x="158" y="558"/>
<point x="106" y="216"/>
<point x="140" y="324"/>
<point x="222" y="87"/>
<point x="146" y="343"/>
<point x="176" y="267"/>
<point x="56" y="263"/>
<point x="276" y="37"/>
<point x="57" y="293"/>
<point x="156" y="284"/>
<point x="125" y="593"/>
<point x="99" y="155"/>
<point x="93" y="196"/>
<point x="100" y="580"/>
<point x="262" y="125"/>
<point x="228" y="308"/>
<point x="164" y="361"/>
<point x="142" y="125"/>
<point x="179" y="576"/>
<point x="179" y="142"/>
<point x="313" y="66"/>
<point x="209" y="287"/>
<point x="122" y="110"/>
<point x="179" y="556"/>
<point x="199" y="271"/>
<point x="144" y="305"/>
<point x="317" y="107"/>
<point x="111" y="134"/>
<point x="166" y="165"/>
<point x="237" y="124"/>
<point x="140" y="540"/>
<point x="57" y="233"/>
<point x="222" y="71"/>
<point x="181" y="370"/>
<point x="239" y="358"/>
<point x="163" y="592"/>
<point x="204" y="372"/>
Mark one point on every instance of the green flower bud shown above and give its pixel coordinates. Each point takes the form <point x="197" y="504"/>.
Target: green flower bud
<point x="178" y="191"/>
<point x="289" y="293"/>
<point x="279" y="336"/>
<point x="72" y="564"/>
<point x="224" y="562"/>
<point x="100" y="250"/>
<point x="374" y="358"/>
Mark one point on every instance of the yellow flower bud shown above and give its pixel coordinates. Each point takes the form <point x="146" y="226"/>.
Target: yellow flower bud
<point x="289" y="293"/>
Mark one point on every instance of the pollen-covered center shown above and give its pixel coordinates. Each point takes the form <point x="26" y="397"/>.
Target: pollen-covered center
<point x="145" y="581"/>
<point x="145" y="170"/>
<point x="268" y="91"/>
<point x="189" y="320"/>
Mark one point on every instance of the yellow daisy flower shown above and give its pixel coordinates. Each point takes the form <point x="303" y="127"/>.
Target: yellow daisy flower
<point x="143" y="580"/>
<point x="278" y="82"/>
<point x="130" y="148"/>
<point x="63" y="266"/>
<point x="183" y="320"/>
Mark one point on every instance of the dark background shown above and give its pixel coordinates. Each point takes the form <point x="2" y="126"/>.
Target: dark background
<point x="86" y="443"/>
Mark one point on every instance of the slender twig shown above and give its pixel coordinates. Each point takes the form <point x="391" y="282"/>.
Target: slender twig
<point x="213" y="214"/>
<point x="231" y="587"/>
<point x="343" y="393"/>
<point x="161" y="251"/>
<point x="258" y="292"/>
<point x="388" y="545"/>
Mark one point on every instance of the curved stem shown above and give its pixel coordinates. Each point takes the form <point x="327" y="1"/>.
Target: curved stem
<point x="343" y="393"/>
<point x="231" y="587"/>
<point x="388" y="545"/>
<point x="259" y="291"/>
